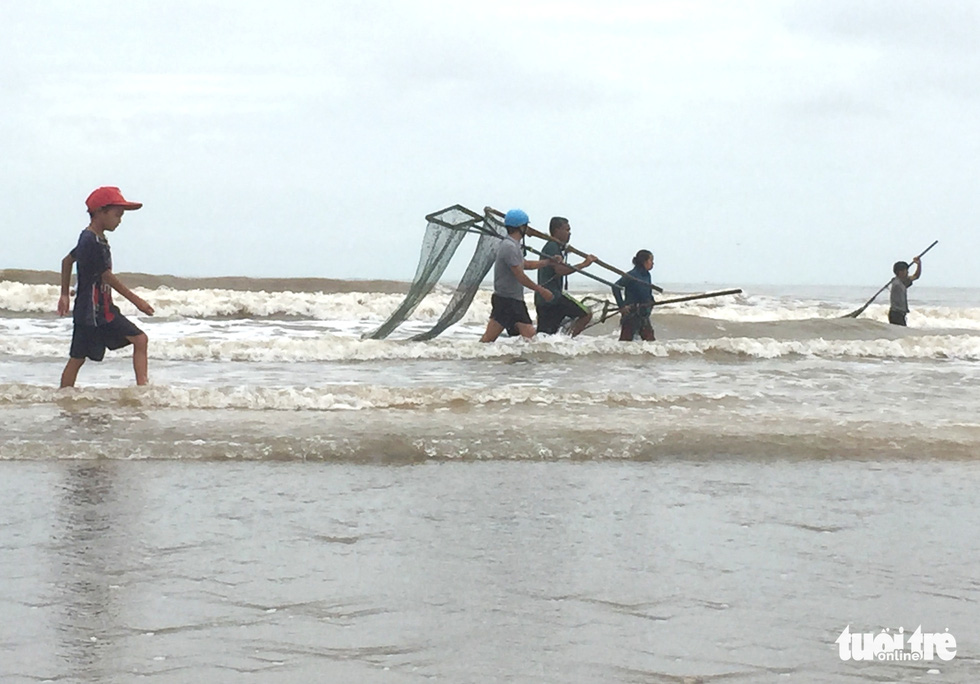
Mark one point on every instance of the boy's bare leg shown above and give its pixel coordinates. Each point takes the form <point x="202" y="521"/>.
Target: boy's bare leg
<point x="140" y="363"/>
<point x="70" y="374"/>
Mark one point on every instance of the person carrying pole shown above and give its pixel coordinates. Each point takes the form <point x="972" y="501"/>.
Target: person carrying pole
<point x="637" y="302"/>
<point x="553" y="276"/>
<point x="900" y="284"/>
<point x="896" y="304"/>
<point x="509" y="280"/>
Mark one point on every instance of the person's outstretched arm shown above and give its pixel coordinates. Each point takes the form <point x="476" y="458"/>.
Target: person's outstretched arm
<point x="110" y="278"/>
<point x="568" y="269"/>
<point x="541" y="263"/>
<point x="530" y="284"/>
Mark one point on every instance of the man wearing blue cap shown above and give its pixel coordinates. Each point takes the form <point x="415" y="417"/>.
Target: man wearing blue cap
<point x="509" y="280"/>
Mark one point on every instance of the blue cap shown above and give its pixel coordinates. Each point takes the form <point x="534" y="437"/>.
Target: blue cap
<point x="515" y="217"/>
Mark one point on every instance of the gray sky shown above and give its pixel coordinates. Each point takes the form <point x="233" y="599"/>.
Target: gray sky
<point x="743" y="142"/>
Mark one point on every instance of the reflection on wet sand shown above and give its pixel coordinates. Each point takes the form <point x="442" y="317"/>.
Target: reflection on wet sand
<point x="86" y="554"/>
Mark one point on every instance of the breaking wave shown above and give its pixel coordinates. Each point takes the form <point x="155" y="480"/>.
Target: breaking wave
<point x="339" y="397"/>
<point x="337" y="348"/>
<point x="372" y="307"/>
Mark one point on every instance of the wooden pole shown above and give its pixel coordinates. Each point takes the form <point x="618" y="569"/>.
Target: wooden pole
<point x="577" y="270"/>
<point x="860" y="310"/>
<point x="675" y="300"/>
<point x="690" y="298"/>
<point x="538" y="234"/>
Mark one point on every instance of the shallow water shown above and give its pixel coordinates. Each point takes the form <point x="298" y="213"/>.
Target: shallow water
<point x="289" y="503"/>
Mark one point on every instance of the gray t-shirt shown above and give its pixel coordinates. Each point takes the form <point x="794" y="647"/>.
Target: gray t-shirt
<point x="899" y="294"/>
<point x="505" y="283"/>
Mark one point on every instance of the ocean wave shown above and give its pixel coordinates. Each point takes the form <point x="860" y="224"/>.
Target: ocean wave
<point x="338" y="398"/>
<point x="222" y="303"/>
<point x="336" y="348"/>
<point x="283" y="284"/>
<point x="370" y="308"/>
<point x="532" y="432"/>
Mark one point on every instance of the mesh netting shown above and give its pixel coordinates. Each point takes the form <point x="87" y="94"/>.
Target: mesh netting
<point x="445" y="231"/>
<point x="483" y="257"/>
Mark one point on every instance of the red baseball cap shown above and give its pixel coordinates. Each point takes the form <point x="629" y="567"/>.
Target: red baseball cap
<point x="109" y="197"/>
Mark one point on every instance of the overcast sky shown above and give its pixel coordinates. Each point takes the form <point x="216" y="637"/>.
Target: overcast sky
<point x="780" y="142"/>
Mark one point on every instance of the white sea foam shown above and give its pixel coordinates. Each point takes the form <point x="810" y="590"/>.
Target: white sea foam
<point x="218" y="303"/>
<point x="371" y="308"/>
<point x="327" y="347"/>
<point x="338" y="397"/>
<point x="24" y="298"/>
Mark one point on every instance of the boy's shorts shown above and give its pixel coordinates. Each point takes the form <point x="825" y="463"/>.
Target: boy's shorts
<point x="91" y="341"/>
<point x="552" y="314"/>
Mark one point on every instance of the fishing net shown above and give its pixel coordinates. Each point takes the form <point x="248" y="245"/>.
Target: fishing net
<point x="443" y="234"/>
<point x="492" y="231"/>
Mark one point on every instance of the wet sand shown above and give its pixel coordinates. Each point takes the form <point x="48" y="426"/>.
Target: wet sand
<point x="115" y="571"/>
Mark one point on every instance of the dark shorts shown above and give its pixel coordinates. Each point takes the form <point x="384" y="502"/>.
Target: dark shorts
<point x="509" y="312"/>
<point x="631" y="326"/>
<point x="896" y="317"/>
<point x="91" y="341"/>
<point x="552" y="314"/>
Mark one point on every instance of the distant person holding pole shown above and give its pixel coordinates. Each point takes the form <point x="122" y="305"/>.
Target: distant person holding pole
<point x="553" y="275"/>
<point x="860" y="310"/>
<point x="509" y="280"/>
<point x="636" y="301"/>
<point x="899" y="290"/>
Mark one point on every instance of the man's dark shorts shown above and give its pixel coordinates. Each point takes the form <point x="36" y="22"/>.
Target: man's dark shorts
<point x="509" y="312"/>
<point x="91" y="341"/>
<point x="552" y="314"/>
<point x="896" y="317"/>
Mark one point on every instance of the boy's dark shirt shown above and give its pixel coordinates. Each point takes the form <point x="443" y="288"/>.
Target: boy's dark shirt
<point x="93" y="298"/>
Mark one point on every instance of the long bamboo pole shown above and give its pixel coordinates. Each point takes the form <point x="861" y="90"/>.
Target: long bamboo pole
<point x="577" y="270"/>
<point x="493" y="233"/>
<point x="860" y="310"/>
<point x="609" y="267"/>
<point x="674" y="300"/>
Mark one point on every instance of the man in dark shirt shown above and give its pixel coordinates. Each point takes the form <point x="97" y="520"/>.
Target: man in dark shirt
<point x="563" y="306"/>
<point x="98" y="324"/>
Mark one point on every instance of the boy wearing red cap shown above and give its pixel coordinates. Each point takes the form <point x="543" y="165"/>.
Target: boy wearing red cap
<point x="98" y="325"/>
